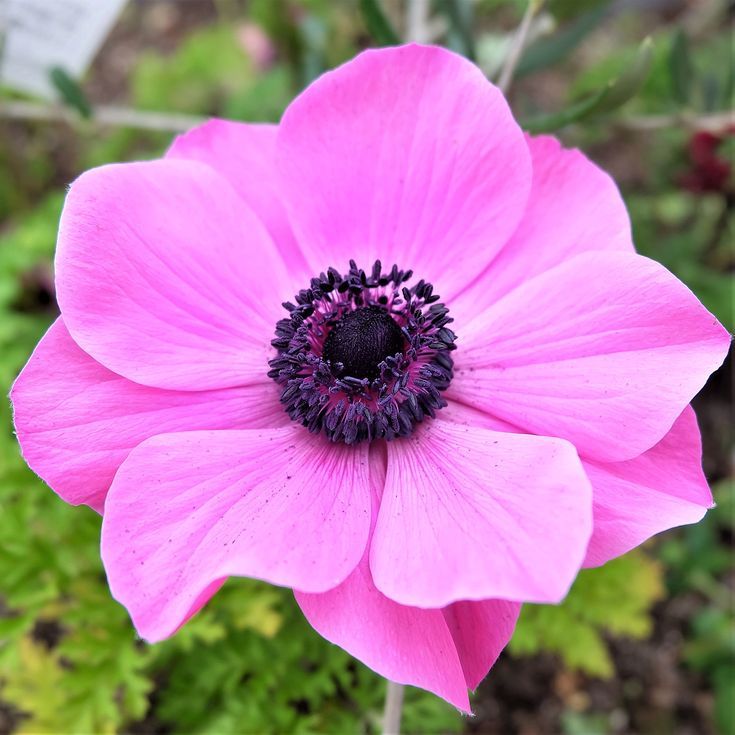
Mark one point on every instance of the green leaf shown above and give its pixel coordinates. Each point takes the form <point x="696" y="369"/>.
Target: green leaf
<point x="680" y="67"/>
<point x="460" y="14"/>
<point x="378" y="25"/>
<point x="612" y="96"/>
<point x="624" y="87"/>
<point x="550" y="50"/>
<point x="70" y="91"/>
<point x="557" y="120"/>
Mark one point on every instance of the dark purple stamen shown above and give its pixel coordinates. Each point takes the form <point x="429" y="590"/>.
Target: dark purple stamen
<point x="361" y="340"/>
<point x="363" y="356"/>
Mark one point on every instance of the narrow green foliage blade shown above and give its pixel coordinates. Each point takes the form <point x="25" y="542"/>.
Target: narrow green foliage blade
<point x="680" y="68"/>
<point x="70" y="91"/>
<point x="377" y="24"/>
<point x="547" y="51"/>
<point x="460" y="14"/>
<point x="606" y="100"/>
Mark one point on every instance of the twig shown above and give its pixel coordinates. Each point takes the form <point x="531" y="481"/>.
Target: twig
<point x="103" y="115"/>
<point x="519" y="43"/>
<point x="393" y="707"/>
<point x="178" y="123"/>
<point x="713" y="122"/>
<point x="417" y="21"/>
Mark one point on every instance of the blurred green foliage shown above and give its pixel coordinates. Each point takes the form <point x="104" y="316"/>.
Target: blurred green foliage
<point x="692" y="237"/>
<point x="698" y="561"/>
<point x="680" y="78"/>
<point x="613" y="599"/>
<point x="69" y="658"/>
<point x="210" y="72"/>
<point x="606" y="97"/>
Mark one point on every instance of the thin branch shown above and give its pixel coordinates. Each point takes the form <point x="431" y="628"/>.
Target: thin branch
<point x="393" y="707"/>
<point x="518" y="45"/>
<point x="121" y="117"/>
<point x="103" y="115"/>
<point x="713" y="122"/>
<point x="417" y="21"/>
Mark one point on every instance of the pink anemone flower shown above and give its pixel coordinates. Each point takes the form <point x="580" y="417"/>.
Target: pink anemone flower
<point x="253" y="373"/>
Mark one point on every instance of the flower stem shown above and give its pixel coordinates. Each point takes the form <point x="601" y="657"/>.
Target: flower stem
<point x="417" y="21"/>
<point x="393" y="707"/>
<point x="518" y="45"/>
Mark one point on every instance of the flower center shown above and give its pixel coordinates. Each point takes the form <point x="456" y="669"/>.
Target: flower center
<point x="363" y="356"/>
<point x="361" y="340"/>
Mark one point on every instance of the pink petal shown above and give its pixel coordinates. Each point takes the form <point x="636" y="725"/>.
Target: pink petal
<point x="661" y="489"/>
<point x="472" y="514"/>
<point x="481" y="630"/>
<point x="405" y="154"/>
<point x="636" y="499"/>
<point x="459" y="413"/>
<point x="442" y="650"/>
<point x="605" y="350"/>
<point x="404" y="644"/>
<point x="76" y="421"/>
<point x="245" y="155"/>
<point x="166" y="277"/>
<point x="188" y="509"/>
<point x="573" y="207"/>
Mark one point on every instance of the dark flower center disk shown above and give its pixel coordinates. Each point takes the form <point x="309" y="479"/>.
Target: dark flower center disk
<point x="361" y="340"/>
<point x="363" y="355"/>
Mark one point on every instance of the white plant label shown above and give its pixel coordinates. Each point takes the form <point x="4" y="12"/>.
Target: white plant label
<point x="41" y="34"/>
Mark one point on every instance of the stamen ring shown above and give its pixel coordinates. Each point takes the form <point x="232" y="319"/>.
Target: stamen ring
<point x="363" y="356"/>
